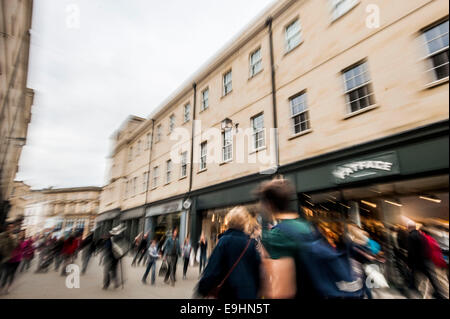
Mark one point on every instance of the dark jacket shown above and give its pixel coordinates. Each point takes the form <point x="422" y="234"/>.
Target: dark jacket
<point x="244" y="281"/>
<point x="416" y="250"/>
<point x="172" y="247"/>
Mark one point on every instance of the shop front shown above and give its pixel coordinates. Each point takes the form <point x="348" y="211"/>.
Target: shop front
<point x="134" y="222"/>
<point x="161" y="219"/>
<point x="105" y="222"/>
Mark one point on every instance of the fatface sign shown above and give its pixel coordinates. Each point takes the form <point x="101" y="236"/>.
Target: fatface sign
<point x="377" y="166"/>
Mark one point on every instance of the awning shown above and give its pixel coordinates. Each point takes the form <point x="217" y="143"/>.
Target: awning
<point x="107" y="216"/>
<point x="132" y="213"/>
<point x="166" y="208"/>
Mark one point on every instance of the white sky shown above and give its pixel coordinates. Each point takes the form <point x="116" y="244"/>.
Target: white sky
<point x="120" y="57"/>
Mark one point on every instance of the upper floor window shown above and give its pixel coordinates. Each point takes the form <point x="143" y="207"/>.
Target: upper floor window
<point x="227" y="145"/>
<point x="205" y="99"/>
<point x="158" y="133"/>
<point x="255" y="62"/>
<point x="436" y="39"/>
<point x="171" y="123"/>
<point x="135" y="181"/>
<point x="203" y="153"/>
<point x="258" y="131"/>
<point x="139" y="148"/>
<point x="155" y="176"/>
<point x="130" y="154"/>
<point x="168" y="171"/>
<point x="299" y="114"/>
<point x="341" y="7"/>
<point x="183" y="164"/>
<point x="227" y="83"/>
<point x="293" y="35"/>
<point x="145" y="182"/>
<point x="358" y="88"/>
<point x="187" y="112"/>
<point x="148" y="141"/>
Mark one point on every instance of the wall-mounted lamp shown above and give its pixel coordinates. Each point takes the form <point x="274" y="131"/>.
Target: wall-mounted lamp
<point x="431" y="198"/>
<point x="226" y="124"/>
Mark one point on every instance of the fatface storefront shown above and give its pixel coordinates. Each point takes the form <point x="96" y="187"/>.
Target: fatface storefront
<point x="105" y="222"/>
<point x="161" y="219"/>
<point x="134" y="221"/>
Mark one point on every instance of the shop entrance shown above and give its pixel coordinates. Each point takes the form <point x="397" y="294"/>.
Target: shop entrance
<point x="165" y="224"/>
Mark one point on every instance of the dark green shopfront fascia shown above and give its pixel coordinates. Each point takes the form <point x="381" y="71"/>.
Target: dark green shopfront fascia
<point x="410" y="155"/>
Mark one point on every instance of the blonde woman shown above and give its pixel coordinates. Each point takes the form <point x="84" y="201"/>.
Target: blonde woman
<point x="234" y="266"/>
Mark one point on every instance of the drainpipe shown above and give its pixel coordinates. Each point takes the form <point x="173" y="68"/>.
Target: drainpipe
<point x="274" y="99"/>
<point x="149" y="168"/>
<point x="191" y="167"/>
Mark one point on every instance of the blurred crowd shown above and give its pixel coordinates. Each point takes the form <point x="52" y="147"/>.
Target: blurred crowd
<point x="269" y="252"/>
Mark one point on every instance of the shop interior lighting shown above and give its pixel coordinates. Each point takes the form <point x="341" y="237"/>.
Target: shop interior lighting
<point x="366" y="210"/>
<point x="431" y="198"/>
<point x="393" y="203"/>
<point x="309" y="203"/>
<point x="306" y="195"/>
<point x="324" y="208"/>
<point x="344" y="205"/>
<point x="369" y="204"/>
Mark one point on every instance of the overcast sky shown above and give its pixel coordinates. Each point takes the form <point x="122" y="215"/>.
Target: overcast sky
<point x="94" y="62"/>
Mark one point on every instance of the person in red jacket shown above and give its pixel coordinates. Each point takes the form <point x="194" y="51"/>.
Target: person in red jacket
<point x="68" y="252"/>
<point x="434" y="258"/>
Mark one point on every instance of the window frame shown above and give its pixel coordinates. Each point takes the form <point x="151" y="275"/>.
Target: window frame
<point x="155" y="177"/>
<point x="431" y="55"/>
<point x="252" y="71"/>
<point x="145" y="181"/>
<point x="255" y="133"/>
<point x="305" y="111"/>
<point x="158" y="136"/>
<point x="227" y="148"/>
<point x="224" y="84"/>
<point x="187" y="107"/>
<point x="172" y="120"/>
<point x="205" y="106"/>
<point x="367" y="83"/>
<point x="183" y="165"/>
<point x="203" y="156"/>
<point x="169" y="169"/>
<point x="334" y="7"/>
<point x="287" y="39"/>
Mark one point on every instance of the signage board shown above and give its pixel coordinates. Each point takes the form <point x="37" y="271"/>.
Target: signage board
<point x="366" y="168"/>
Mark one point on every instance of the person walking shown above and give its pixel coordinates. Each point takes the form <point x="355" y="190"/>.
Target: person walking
<point x="203" y="246"/>
<point x="141" y="251"/>
<point x="298" y="260"/>
<point x="171" y="250"/>
<point x="151" y="265"/>
<point x="13" y="262"/>
<point x="112" y="257"/>
<point x="187" y="248"/>
<point x="233" y="270"/>
<point x="68" y="252"/>
<point x="88" y="246"/>
<point x="417" y="260"/>
<point x="28" y="254"/>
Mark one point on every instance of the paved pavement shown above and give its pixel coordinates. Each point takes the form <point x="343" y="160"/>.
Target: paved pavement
<point x="51" y="285"/>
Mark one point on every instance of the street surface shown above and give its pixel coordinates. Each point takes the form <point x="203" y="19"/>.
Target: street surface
<point x="52" y="285"/>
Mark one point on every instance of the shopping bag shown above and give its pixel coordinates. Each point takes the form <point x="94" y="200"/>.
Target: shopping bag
<point x="191" y="258"/>
<point x="197" y="258"/>
<point x="163" y="269"/>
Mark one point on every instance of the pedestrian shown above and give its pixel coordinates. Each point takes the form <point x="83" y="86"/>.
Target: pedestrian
<point x="233" y="270"/>
<point x="68" y="252"/>
<point x="57" y="251"/>
<point x="13" y="262"/>
<point x="7" y="245"/>
<point x="88" y="247"/>
<point x="141" y="250"/>
<point x="151" y="265"/>
<point x="28" y="254"/>
<point x="203" y="246"/>
<point x="187" y="248"/>
<point x="417" y="257"/>
<point x="112" y="256"/>
<point x="298" y="260"/>
<point x="171" y="250"/>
